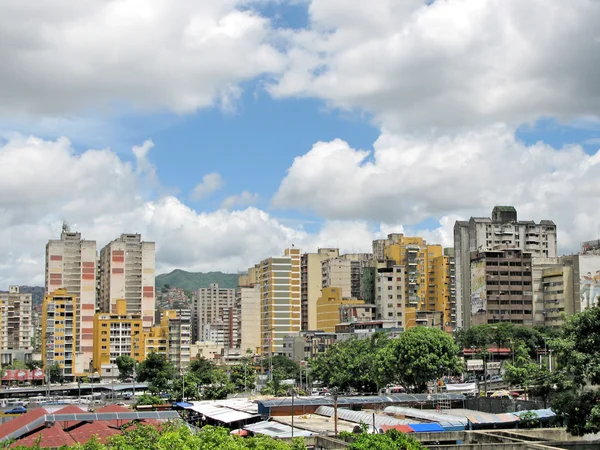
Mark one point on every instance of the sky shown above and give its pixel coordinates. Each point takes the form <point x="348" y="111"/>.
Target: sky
<point x="228" y="130"/>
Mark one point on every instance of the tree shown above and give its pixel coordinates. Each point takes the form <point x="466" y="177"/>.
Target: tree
<point x="148" y="399"/>
<point x="56" y="373"/>
<point x="284" y="367"/>
<point x="157" y="370"/>
<point x="32" y="365"/>
<point x="578" y="411"/>
<point x="390" y="440"/>
<point x="243" y="377"/>
<point x="578" y="346"/>
<point x="417" y="356"/>
<point x="126" y="364"/>
<point x="351" y="364"/>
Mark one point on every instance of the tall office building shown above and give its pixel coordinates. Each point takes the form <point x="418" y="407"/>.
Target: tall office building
<point x="207" y="307"/>
<point x="127" y="272"/>
<point x="501" y="230"/>
<point x="71" y="267"/>
<point x="279" y="279"/>
<point x="311" y="284"/>
<point x="16" y="322"/>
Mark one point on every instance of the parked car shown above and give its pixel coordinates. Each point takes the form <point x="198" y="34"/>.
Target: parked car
<point x="496" y="378"/>
<point x="16" y="410"/>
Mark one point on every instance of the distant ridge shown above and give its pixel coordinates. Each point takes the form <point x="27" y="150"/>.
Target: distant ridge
<point x="195" y="280"/>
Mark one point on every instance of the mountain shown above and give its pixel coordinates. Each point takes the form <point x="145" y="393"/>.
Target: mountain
<point x="195" y="280"/>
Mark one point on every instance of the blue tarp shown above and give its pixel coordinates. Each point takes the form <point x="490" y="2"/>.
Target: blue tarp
<point x="540" y="413"/>
<point x="182" y="405"/>
<point x="426" y="427"/>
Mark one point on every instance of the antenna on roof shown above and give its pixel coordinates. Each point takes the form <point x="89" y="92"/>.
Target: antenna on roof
<point x="65" y="227"/>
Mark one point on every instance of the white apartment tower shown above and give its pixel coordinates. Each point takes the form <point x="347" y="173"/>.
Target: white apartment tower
<point x="208" y="306"/>
<point x="15" y="320"/>
<point x="127" y="272"/>
<point x="247" y="304"/>
<point x="502" y="230"/>
<point x="311" y="284"/>
<point x="71" y="265"/>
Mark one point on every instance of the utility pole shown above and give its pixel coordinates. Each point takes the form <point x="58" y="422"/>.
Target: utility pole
<point x="334" y="394"/>
<point x="293" y="412"/>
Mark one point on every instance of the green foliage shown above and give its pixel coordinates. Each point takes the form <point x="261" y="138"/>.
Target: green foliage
<point x="157" y="370"/>
<point x="579" y="411"/>
<point x="203" y="381"/>
<point x="283" y="368"/>
<point x="32" y="365"/>
<point x="126" y="364"/>
<point x="243" y="377"/>
<point x="351" y="364"/>
<point x="192" y="281"/>
<point x="417" y="356"/>
<point x="391" y="440"/>
<point x="149" y="399"/>
<point x="578" y="346"/>
<point x="56" y="373"/>
<point x="529" y="419"/>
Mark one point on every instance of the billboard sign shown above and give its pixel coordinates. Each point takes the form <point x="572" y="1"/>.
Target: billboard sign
<point x="478" y="288"/>
<point x="589" y="280"/>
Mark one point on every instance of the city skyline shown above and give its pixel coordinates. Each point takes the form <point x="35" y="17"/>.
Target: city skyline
<point x="236" y="129"/>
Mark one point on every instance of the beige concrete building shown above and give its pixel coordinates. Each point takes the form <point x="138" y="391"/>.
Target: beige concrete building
<point x="311" y="283"/>
<point x="207" y="307"/>
<point x="71" y="265"/>
<point x="501" y="230"/>
<point x="16" y="321"/>
<point x="279" y="279"/>
<point x="328" y="308"/>
<point x="337" y="272"/>
<point x="247" y="304"/>
<point x="127" y="270"/>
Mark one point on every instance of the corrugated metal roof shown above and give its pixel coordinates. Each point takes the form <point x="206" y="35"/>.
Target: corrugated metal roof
<point x="445" y="420"/>
<point x="221" y="413"/>
<point x="276" y="429"/>
<point x="13" y="425"/>
<point x="362" y="417"/>
<point x="426" y="427"/>
<point x="400" y="428"/>
<point x="541" y="413"/>
<point x="328" y="401"/>
<point x="483" y="418"/>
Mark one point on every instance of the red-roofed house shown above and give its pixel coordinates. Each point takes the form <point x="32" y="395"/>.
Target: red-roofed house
<point x="112" y="408"/>
<point x="84" y="433"/>
<point x="53" y="436"/>
<point x="21" y="421"/>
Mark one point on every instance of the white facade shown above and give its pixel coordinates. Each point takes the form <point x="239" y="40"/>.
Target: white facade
<point x="337" y="272"/>
<point x="71" y="264"/>
<point x="127" y="270"/>
<point x="16" y="322"/>
<point x="180" y="334"/>
<point x="311" y="284"/>
<point x="389" y="295"/>
<point x="208" y="306"/>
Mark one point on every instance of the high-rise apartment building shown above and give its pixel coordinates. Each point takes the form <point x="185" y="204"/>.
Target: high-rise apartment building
<point x="311" y="281"/>
<point x="127" y="272"/>
<point x="16" y="321"/>
<point x="207" y="307"/>
<point x="444" y="289"/>
<point x="501" y="287"/>
<point x="171" y="337"/>
<point x="279" y="279"/>
<point x="71" y="268"/>
<point x="117" y="334"/>
<point x="502" y="230"/>
<point x="247" y="304"/>
<point x="337" y="272"/>
<point x="59" y="337"/>
<point x="328" y="308"/>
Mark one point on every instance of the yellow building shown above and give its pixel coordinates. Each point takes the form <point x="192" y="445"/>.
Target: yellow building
<point x="279" y="279"/>
<point x="328" y="308"/>
<point x="172" y="338"/>
<point x="444" y="290"/>
<point x="117" y="334"/>
<point x="59" y="341"/>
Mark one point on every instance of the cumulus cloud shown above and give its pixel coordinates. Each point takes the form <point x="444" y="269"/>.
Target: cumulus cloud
<point x="450" y="64"/>
<point x="210" y="183"/>
<point x="240" y="200"/>
<point x="408" y="179"/>
<point x="101" y="196"/>
<point x="61" y="56"/>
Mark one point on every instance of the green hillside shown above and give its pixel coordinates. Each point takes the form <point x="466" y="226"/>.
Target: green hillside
<point x="196" y="280"/>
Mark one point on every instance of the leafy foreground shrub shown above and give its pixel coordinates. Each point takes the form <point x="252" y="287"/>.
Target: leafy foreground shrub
<point x="391" y="440"/>
<point x="179" y="437"/>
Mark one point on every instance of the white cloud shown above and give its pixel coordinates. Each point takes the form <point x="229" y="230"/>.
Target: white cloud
<point x="408" y="179"/>
<point x="244" y="199"/>
<point x="211" y="182"/>
<point x="61" y="56"/>
<point x="454" y="64"/>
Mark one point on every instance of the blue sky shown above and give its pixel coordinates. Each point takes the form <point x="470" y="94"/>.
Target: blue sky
<point x="278" y="100"/>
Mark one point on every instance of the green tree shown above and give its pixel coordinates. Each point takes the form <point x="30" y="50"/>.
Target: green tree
<point x="148" y="399"/>
<point x="243" y="377"/>
<point x="578" y="411"/>
<point x="577" y="347"/>
<point x="157" y="370"/>
<point x="32" y="365"/>
<point x="56" y="373"/>
<point x="390" y="440"/>
<point x="126" y="364"/>
<point x="417" y="356"/>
